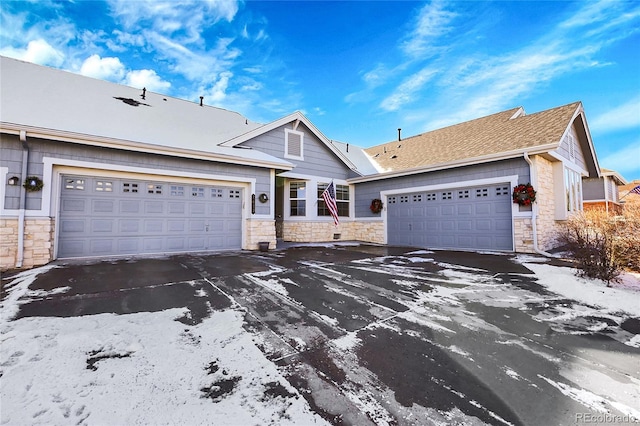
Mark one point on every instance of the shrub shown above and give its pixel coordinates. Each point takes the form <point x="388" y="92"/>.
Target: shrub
<point x="603" y="244"/>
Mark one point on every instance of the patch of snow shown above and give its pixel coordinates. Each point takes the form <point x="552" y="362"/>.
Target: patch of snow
<point x="421" y="252"/>
<point x="592" y="292"/>
<point x="459" y="267"/>
<point x="509" y="372"/>
<point x="634" y="342"/>
<point x="142" y="368"/>
<point x="16" y="289"/>
<point x="591" y="400"/>
<point x="347" y="342"/>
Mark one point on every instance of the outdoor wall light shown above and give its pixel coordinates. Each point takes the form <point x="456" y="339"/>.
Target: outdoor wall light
<point x="13" y="181"/>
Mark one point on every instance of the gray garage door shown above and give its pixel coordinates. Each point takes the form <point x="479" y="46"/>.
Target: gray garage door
<point x="107" y="216"/>
<point x="477" y="218"/>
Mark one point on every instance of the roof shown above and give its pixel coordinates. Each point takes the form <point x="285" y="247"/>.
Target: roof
<point x="58" y="103"/>
<point x="506" y="133"/>
<point x="617" y="177"/>
<point x="363" y="162"/>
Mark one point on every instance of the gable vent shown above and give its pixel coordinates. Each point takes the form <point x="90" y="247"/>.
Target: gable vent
<point x="294" y="147"/>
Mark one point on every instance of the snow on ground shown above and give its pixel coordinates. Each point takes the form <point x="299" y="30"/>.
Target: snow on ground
<point x="142" y="368"/>
<point x="624" y="297"/>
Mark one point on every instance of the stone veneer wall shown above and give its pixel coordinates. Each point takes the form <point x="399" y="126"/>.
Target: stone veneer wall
<point x="312" y="232"/>
<point x="523" y="235"/>
<point x="259" y="231"/>
<point x="38" y="242"/>
<point x="546" y="225"/>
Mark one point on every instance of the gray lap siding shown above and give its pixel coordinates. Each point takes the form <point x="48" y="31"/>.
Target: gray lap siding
<point x="318" y="159"/>
<point x="39" y="148"/>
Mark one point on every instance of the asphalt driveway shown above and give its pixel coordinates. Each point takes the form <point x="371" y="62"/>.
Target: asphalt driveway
<point x="383" y="335"/>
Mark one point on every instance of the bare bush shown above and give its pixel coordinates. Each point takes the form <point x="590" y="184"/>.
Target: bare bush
<point x="603" y="245"/>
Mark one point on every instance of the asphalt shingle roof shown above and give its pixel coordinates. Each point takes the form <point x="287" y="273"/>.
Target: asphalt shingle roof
<point x="503" y="132"/>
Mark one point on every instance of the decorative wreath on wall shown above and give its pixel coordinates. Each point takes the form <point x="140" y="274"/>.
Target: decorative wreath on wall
<point x="33" y="184"/>
<point x="524" y="194"/>
<point x="376" y="205"/>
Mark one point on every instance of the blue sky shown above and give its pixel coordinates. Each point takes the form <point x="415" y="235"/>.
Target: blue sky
<point x="359" y="70"/>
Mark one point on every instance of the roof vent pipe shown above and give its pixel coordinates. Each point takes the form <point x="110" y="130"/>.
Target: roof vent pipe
<point x="399" y="138"/>
<point x="144" y="92"/>
<point x="201" y="98"/>
<point x="347" y="147"/>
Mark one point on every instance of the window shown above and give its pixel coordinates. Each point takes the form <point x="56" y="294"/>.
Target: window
<point x="153" y="188"/>
<point x="104" y="186"/>
<point x="342" y="200"/>
<point x="502" y="190"/>
<point x="417" y="198"/>
<point x="216" y="193"/>
<point x="484" y="192"/>
<point x="197" y="192"/>
<point x="573" y="190"/>
<point x="431" y="196"/>
<point x="463" y="194"/>
<point x="129" y="187"/>
<point x="391" y="200"/>
<point x="297" y="198"/>
<point x="446" y="195"/>
<point x="74" y="184"/>
<point x="293" y="144"/>
<point x="177" y="190"/>
<point x="404" y="198"/>
<point x="234" y="193"/>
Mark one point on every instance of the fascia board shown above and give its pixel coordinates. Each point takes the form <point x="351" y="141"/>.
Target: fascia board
<point x="83" y="139"/>
<point x="542" y="149"/>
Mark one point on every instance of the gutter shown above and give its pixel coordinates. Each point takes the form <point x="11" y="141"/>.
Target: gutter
<point x="23" y="199"/>
<point x="534" y="209"/>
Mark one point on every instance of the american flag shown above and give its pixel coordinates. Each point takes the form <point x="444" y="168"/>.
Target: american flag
<point x="635" y="190"/>
<point x="329" y="197"/>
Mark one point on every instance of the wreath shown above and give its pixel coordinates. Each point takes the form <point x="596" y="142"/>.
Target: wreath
<point x="376" y="205"/>
<point x="33" y="184"/>
<point x="524" y="194"/>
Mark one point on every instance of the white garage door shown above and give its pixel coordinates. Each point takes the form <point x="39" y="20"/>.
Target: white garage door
<point x="477" y="218"/>
<point x="107" y="216"/>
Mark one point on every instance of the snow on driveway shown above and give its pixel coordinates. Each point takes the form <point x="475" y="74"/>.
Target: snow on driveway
<point x="326" y="335"/>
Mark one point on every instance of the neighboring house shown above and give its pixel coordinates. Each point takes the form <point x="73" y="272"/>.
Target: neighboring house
<point x="625" y="196"/>
<point x="602" y="192"/>
<point x="131" y="172"/>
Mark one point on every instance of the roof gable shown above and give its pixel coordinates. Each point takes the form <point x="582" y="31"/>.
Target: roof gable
<point x="295" y="119"/>
<point x="502" y="135"/>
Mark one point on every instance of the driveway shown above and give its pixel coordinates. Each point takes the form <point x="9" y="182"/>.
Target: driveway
<point x="347" y="334"/>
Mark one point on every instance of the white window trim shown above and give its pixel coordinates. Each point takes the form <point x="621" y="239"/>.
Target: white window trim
<point x="311" y="207"/>
<point x="287" y="132"/>
<point x="305" y="199"/>
<point x="318" y="199"/>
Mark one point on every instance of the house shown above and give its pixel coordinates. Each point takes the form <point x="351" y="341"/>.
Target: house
<point x="626" y="197"/>
<point x="602" y="192"/>
<point x="92" y="168"/>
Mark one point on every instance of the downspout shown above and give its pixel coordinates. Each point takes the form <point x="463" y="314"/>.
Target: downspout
<point x="23" y="198"/>
<point x="534" y="208"/>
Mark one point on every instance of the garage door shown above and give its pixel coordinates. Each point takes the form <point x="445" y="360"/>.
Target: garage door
<point x="477" y="218"/>
<point x="103" y="216"/>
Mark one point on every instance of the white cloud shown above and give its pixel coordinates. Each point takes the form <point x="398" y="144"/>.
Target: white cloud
<point x="103" y="68"/>
<point x="432" y="22"/>
<point x="217" y="93"/>
<point x="38" y="52"/>
<point x="147" y="78"/>
<point x="623" y="117"/>
<point x="409" y="90"/>
<point x="624" y="160"/>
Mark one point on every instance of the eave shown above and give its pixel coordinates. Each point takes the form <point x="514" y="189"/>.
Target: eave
<point x="129" y="145"/>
